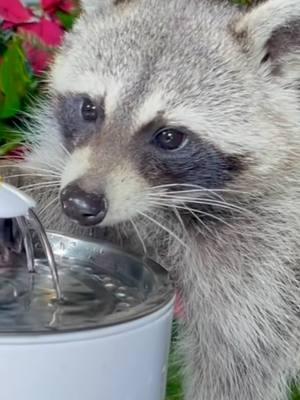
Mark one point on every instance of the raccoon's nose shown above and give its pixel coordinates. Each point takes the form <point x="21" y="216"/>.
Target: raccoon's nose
<point x="87" y="209"/>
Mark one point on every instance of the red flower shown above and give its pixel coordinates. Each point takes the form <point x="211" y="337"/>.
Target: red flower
<point x="47" y="30"/>
<point x="13" y="11"/>
<point x="50" y="34"/>
<point x="17" y="154"/>
<point x="39" y="59"/>
<point x="179" y="308"/>
<point x="51" y="6"/>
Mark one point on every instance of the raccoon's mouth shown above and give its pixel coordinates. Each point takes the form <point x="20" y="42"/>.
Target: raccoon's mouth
<point x="86" y="209"/>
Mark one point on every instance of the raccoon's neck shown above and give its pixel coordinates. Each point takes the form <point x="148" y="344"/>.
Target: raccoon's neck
<point x="238" y="286"/>
<point x="233" y="260"/>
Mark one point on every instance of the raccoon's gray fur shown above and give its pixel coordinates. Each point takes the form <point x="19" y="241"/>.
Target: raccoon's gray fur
<point x="229" y="231"/>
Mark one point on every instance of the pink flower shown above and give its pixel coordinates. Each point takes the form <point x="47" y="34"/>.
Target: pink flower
<point x="47" y="31"/>
<point x="51" y="6"/>
<point x="49" y="34"/>
<point x="13" y="11"/>
<point x="41" y="34"/>
<point x="17" y="154"/>
<point x="179" y="309"/>
<point x="39" y="59"/>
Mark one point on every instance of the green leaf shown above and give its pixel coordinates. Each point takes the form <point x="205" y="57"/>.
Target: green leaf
<point x="174" y="384"/>
<point x="14" y="79"/>
<point x="243" y="2"/>
<point x="8" y="147"/>
<point x="295" y="393"/>
<point x="67" y="20"/>
<point x="9" y="139"/>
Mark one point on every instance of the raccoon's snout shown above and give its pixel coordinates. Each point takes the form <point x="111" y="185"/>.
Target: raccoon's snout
<point x="87" y="209"/>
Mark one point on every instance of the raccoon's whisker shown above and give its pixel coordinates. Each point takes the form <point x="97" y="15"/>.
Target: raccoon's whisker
<point x="15" y="165"/>
<point x="190" y="191"/>
<point x="32" y="174"/>
<point x="65" y="150"/>
<point x="59" y="165"/>
<point x="213" y="191"/>
<point x="60" y="161"/>
<point x="224" y="205"/>
<point x="196" y="187"/>
<point x="187" y="191"/>
<point x="183" y="200"/>
<point x="199" y="219"/>
<point x="50" y="203"/>
<point x="138" y="235"/>
<point x="41" y="184"/>
<point x="210" y="216"/>
<point x="43" y="190"/>
<point x="193" y="212"/>
<point x="196" y="192"/>
<point x="167" y="185"/>
<point x="52" y="214"/>
<point x="150" y="218"/>
<point x="57" y="162"/>
<point x="201" y="201"/>
<point x="197" y="195"/>
<point x="178" y="216"/>
<point x="186" y="187"/>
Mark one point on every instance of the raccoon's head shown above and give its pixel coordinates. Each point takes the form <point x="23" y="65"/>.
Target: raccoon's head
<point x="157" y="101"/>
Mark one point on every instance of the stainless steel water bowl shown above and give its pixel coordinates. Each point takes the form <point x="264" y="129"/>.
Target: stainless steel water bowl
<point x="101" y="286"/>
<point x="106" y="337"/>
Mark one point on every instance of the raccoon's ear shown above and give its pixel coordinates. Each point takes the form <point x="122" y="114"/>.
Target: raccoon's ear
<point x="90" y="6"/>
<point x="271" y="34"/>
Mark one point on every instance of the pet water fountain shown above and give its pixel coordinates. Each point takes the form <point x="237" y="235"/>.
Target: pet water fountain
<point x="79" y="319"/>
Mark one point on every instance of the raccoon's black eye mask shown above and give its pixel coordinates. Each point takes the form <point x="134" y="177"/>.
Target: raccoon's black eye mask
<point x="77" y="114"/>
<point x="163" y="153"/>
<point x="177" y="155"/>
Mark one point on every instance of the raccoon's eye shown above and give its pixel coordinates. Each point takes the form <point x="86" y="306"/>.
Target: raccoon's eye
<point x="89" y="110"/>
<point x="169" y="139"/>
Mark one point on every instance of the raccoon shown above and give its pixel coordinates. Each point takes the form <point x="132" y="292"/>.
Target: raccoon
<point x="173" y="128"/>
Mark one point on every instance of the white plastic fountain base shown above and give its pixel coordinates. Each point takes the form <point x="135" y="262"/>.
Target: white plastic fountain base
<point x="123" y="362"/>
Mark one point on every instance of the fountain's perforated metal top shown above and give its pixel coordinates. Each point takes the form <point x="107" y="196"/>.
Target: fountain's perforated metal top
<point x="100" y="284"/>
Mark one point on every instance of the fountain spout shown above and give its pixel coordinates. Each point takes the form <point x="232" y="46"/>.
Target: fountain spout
<point x="17" y="206"/>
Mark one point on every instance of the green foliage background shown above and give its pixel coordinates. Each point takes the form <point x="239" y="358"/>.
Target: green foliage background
<point x="19" y="86"/>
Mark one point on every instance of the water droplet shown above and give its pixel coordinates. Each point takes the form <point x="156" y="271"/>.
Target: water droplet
<point x="122" y="306"/>
<point x="131" y="299"/>
<point x="110" y="286"/>
<point x="121" y="295"/>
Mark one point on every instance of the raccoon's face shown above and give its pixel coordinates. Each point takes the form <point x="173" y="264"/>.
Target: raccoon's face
<point x="158" y="102"/>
